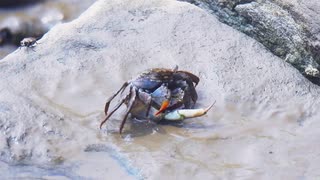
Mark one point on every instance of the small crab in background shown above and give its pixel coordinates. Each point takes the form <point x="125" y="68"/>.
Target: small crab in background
<point x="28" y="42"/>
<point x="159" y="94"/>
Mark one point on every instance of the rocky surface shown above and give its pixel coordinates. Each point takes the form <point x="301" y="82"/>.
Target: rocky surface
<point x="264" y="125"/>
<point x="289" y="29"/>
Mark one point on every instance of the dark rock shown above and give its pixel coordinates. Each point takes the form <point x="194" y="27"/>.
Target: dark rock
<point x="17" y="3"/>
<point x="277" y="25"/>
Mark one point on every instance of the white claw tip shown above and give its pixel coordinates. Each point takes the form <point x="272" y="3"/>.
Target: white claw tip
<point x="208" y="108"/>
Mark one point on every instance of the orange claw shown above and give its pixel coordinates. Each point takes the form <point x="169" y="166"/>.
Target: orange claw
<point x="163" y="107"/>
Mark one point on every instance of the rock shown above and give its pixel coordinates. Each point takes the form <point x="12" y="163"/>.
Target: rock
<point x="5" y="35"/>
<point x="52" y="100"/>
<point x="16" y="3"/>
<point x="287" y="28"/>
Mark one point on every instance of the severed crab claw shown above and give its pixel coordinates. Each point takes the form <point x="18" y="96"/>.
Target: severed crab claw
<point x="182" y="114"/>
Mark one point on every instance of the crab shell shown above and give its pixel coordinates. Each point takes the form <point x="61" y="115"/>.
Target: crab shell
<point x="149" y="90"/>
<point x="28" y="42"/>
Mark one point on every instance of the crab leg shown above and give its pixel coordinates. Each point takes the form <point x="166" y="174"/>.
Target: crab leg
<point x="113" y="96"/>
<point x="149" y="101"/>
<point x="186" y="113"/>
<point x="132" y="95"/>
<point x="193" y="77"/>
<point x="193" y="92"/>
<point x="114" y="109"/>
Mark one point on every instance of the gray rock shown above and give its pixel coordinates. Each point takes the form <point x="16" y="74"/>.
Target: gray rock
<point x="264" y="124"/>
<point x="289" y="29"/>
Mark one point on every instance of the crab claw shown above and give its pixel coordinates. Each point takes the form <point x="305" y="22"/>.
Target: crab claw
<point x="163" y="107"/>
<point x="187" y="113"/>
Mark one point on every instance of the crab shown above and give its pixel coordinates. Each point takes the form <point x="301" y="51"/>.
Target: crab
<point x="28" y="42"/>
<point x="159" y="94"/>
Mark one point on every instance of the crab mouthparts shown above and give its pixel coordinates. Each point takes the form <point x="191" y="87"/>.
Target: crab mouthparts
<point x="163" y="107"/>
